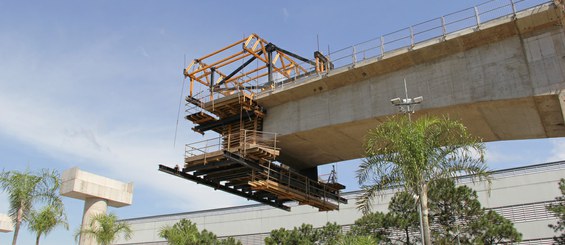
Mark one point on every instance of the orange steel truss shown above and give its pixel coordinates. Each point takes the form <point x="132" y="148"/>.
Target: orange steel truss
<point x="216" y="70"/>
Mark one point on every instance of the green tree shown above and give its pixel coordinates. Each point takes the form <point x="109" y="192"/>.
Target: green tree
<point x="45" y="220"/>
<point x="207" y="237"/>
<point x="25" y="190"/>
<point x="330" y="234"/>
<point x="452" y="209"/>
<point x="492" y="228"/>
<point x="184" y="232"/>
<point x="403" y="215"/>
<point x="458" y="218"/>
<point x="105" y="229"/>
<point x="278" y="236"/>
<point x="414" y="154"/>
<point x="357" y="240"/>
<point x="303" y="235"/>
<point x="374" y="224"/>
<point x="558" y="209"/>
<point x="229" y="241"/>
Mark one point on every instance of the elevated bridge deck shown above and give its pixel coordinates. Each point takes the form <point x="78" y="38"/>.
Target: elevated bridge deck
<point x="503" y="79"/>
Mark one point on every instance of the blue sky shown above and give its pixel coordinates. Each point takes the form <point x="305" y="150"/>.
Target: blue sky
<point x="96" y="84"/>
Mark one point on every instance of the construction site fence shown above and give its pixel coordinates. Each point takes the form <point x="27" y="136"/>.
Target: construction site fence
<point x="407" y="38"/>
<point x="233" y="142"/>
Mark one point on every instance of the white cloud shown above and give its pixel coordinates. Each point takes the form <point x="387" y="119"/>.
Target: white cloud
<point x="143" y="51"/>
<point x="557" y="152"/>
<point x="285" y="14"/>
<point x="123" y="153"/>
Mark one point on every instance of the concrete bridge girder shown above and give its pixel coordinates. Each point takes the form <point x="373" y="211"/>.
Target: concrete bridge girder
<point x="504" y="81"/>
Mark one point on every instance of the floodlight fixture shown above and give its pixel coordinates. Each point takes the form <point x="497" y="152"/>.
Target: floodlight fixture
<point x="406" y="105"/>
<point x="396" y="101"/>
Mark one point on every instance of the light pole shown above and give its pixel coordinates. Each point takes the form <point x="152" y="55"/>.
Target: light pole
<point x="406" y="106"/>
<point x="420" y="216"/>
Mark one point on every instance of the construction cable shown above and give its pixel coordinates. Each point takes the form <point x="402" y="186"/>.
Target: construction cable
<point x="180" y="103"/>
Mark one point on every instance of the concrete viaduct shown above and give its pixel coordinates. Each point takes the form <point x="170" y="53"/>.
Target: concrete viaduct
<point x="504" y="80"/>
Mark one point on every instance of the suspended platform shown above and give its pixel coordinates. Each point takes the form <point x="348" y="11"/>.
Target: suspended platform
<point x="249" y="171"/>
<point x="243" y="159"/>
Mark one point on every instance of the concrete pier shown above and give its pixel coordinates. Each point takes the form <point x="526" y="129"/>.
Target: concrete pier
<point x="6" y="224"/>
<point x="98" y="193"/>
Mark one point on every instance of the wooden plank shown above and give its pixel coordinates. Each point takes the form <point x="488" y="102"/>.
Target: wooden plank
<point x="286" y="192"/>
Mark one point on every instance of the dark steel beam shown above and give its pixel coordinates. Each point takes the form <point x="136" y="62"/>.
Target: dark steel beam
<point x="222" y="122"/>
<point x="218" y="186"/>
<point x="295" y="56"/>
<point x="207" y="166"/>
<point x="238" y="69"/>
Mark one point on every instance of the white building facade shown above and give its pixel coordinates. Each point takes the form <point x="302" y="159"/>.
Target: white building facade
<point x="518" y="194"/>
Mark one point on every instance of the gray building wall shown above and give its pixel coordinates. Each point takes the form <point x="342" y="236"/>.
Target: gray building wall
<point x="519" y="194"/>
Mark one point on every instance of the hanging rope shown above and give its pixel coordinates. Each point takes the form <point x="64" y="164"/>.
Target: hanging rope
<point x="180" y="102"/>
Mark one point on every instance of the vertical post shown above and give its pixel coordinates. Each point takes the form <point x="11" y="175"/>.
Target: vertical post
<point x="191" y="86"/>
<point x="270" y="66"/>
<point x="409" y="110"/>
<point x="411" y="36"/>
<point x="212" y="69"/>
<point x="244" y="142"/>
<point x="229" y="141"/>
<point x="513" y="7"/>
<point x="354" y="56"/>
<point x="477" y="17"/>
<point x="443" y="28"/>
<point x="382" y="46"/>
<point x="269" y="171"/>
<point x="421" y="223"/>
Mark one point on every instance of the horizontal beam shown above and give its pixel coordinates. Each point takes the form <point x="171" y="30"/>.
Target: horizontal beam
<point x="222" y="122"/>
<point x="219" y="186"/>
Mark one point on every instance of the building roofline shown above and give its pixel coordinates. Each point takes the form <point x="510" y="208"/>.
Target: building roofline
<point x="502" y="172"/>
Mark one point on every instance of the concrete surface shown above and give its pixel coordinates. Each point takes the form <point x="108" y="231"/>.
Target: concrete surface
<point x="6" y="224"/>
<point x="98" y="193"/>
<point x="82" y="185"/>
<point x="504" y="81"/>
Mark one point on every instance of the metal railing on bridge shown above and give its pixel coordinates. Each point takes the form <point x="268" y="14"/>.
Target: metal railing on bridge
<point x="407" y="38"/>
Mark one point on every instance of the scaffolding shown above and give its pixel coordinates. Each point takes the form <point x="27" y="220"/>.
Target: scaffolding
<point x="243" y="159"/>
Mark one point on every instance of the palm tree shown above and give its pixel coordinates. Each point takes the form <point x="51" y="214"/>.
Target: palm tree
<point x="181" y="233"/>
<point x="105" y="228"/>
<point x="407" y="154"/>
<point x="46" y="220"/>
<point x="25" y="189"/>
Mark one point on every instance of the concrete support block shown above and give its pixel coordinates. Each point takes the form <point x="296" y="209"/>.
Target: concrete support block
<point x="98" y="193"/>
<point x="82" y="185"/>
<point x="6" y="224"/>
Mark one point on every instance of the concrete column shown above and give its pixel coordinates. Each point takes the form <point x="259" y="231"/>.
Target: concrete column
<point x="92" y="206"/>
<point x="6" y="223"/>
<point x="98" y="193"/>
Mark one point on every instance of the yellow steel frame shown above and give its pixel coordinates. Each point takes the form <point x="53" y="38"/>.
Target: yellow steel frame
<point x="200" y="70"/>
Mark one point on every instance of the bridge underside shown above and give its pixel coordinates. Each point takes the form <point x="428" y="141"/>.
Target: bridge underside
<point x="524" y="118"/>
<point x="504" y="81"/>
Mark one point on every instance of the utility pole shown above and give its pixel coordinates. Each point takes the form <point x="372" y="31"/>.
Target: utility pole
<point x="406" y="106"/>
